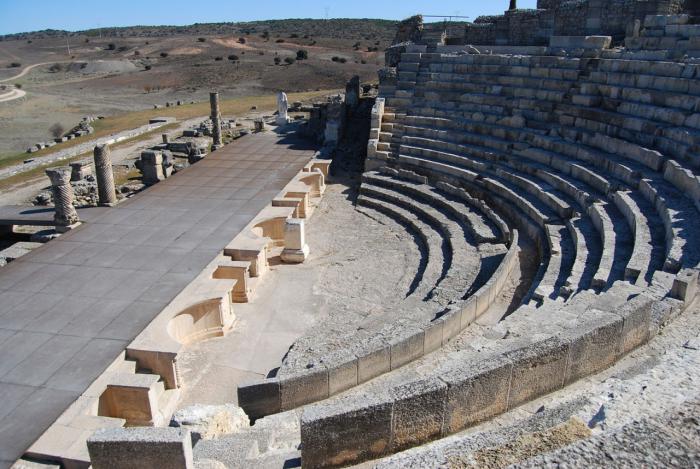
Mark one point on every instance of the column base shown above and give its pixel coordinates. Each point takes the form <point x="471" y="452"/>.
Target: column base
<point x="282" y="121"/>
<point x="67" y="228"/>
<point x="295" y="256"/>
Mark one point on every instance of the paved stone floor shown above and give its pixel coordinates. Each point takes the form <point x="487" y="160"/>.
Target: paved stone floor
<point x="70" y="307"/>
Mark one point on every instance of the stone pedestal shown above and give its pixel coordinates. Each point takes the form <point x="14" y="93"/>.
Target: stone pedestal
<point x="259" y="125"/>
<point x="65" y="216"/>
<point x="165" y="139"/>
<point x="295" y="248"/>
<point x="216" y="121"/>
<point x="152" y="167"/>
<point x="80" y="171"/>
<point x="105" y="176"/>
<point x="282" y="109"/>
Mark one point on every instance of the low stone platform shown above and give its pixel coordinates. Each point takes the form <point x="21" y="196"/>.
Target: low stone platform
<point x="71" y="307"/>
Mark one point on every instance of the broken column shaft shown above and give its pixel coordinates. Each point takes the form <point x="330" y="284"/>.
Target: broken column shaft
<point x="105" y="175"/>
<point x="65" y="215"/>
<point x="215" y="120"/>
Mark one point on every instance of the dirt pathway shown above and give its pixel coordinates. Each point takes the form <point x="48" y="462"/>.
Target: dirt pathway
<point x="28" y="69"/>
<point x="12" y="95"/>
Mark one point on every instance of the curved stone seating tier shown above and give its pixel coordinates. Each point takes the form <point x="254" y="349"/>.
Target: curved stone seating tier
<point x="670" y="137"/>
<point x="480" y="227"/>
<point x="562" y="203"/>
<point x="437" y="245"/>
<point x="546" y="349"/>
<point x="313" y="371"/>
<point x="582" y="197"/>
<point x="674" y="211"/>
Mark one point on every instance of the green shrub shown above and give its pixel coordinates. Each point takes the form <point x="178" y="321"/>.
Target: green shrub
<point x="302" y="54"/>
<point x="289" y="60"/>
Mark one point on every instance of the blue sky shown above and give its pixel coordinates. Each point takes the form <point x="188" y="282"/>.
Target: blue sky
<point x="32" y="15"/>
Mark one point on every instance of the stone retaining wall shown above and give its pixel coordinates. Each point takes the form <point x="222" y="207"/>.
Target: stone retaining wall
<point x="278" y="394"/>
<point x="366" y="427"/>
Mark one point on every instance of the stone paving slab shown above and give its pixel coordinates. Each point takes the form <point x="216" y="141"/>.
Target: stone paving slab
<point x="68" y="308"/>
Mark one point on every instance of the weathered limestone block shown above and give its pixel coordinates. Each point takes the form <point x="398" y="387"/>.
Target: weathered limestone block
<point x="418" y="413"/>
<point x="537" y="370"/>
<point x="375" y="362"/>
<point x="105" y="175"/>
<point x="152" y="167"/>
<point x="300" y="389"/>
<point x="595" y="344"/>
<point x="141" y="448"/>
<point x="478" y="390"/>
<point x="260" y="398"/>
<point x="361" y="431"/>
<point x="65" y="217"/>
<point x="685" y="285"/>
<point x="206" y="422"/>
<point x="295" y="248"/>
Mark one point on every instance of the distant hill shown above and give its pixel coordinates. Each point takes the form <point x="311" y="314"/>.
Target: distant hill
<point x="333" y="28"/>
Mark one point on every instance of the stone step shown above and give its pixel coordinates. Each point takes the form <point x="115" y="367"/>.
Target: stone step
<point x="460" y="272"/>
<point x="476" y="224"/>
<point x="434" y="264"/>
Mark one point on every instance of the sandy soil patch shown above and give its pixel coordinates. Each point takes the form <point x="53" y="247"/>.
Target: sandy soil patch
<point x="186" y="51"/>
<point x="231" y="42"/>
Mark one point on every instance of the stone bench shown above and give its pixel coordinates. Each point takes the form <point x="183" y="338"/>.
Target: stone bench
<point x="479" y="227"/>
<point x="457" y="278"/>
<point x="560" y="253"/>
<point x="641" y="259"/>
<point x="630" y="172"/>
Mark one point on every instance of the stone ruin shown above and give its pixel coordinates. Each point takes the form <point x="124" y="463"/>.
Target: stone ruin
<point x="548" y="176"/>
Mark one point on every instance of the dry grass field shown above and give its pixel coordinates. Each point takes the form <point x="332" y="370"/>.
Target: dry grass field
<point x="122" y="73"/>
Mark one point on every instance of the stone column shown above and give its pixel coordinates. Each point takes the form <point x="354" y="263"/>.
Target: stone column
<point x="105" y="175"/>
<point x="352" y="92"/>
<point x="295" y="248"/>
<point x="215" y="120"/>
<point x="165" y="139"/>
<point x="65" y="216"/>
<point x="513" y="5"/>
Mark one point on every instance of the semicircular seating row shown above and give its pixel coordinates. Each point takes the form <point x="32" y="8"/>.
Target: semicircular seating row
<point x="467" y="253"/>
<point x="594" y="161"/>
